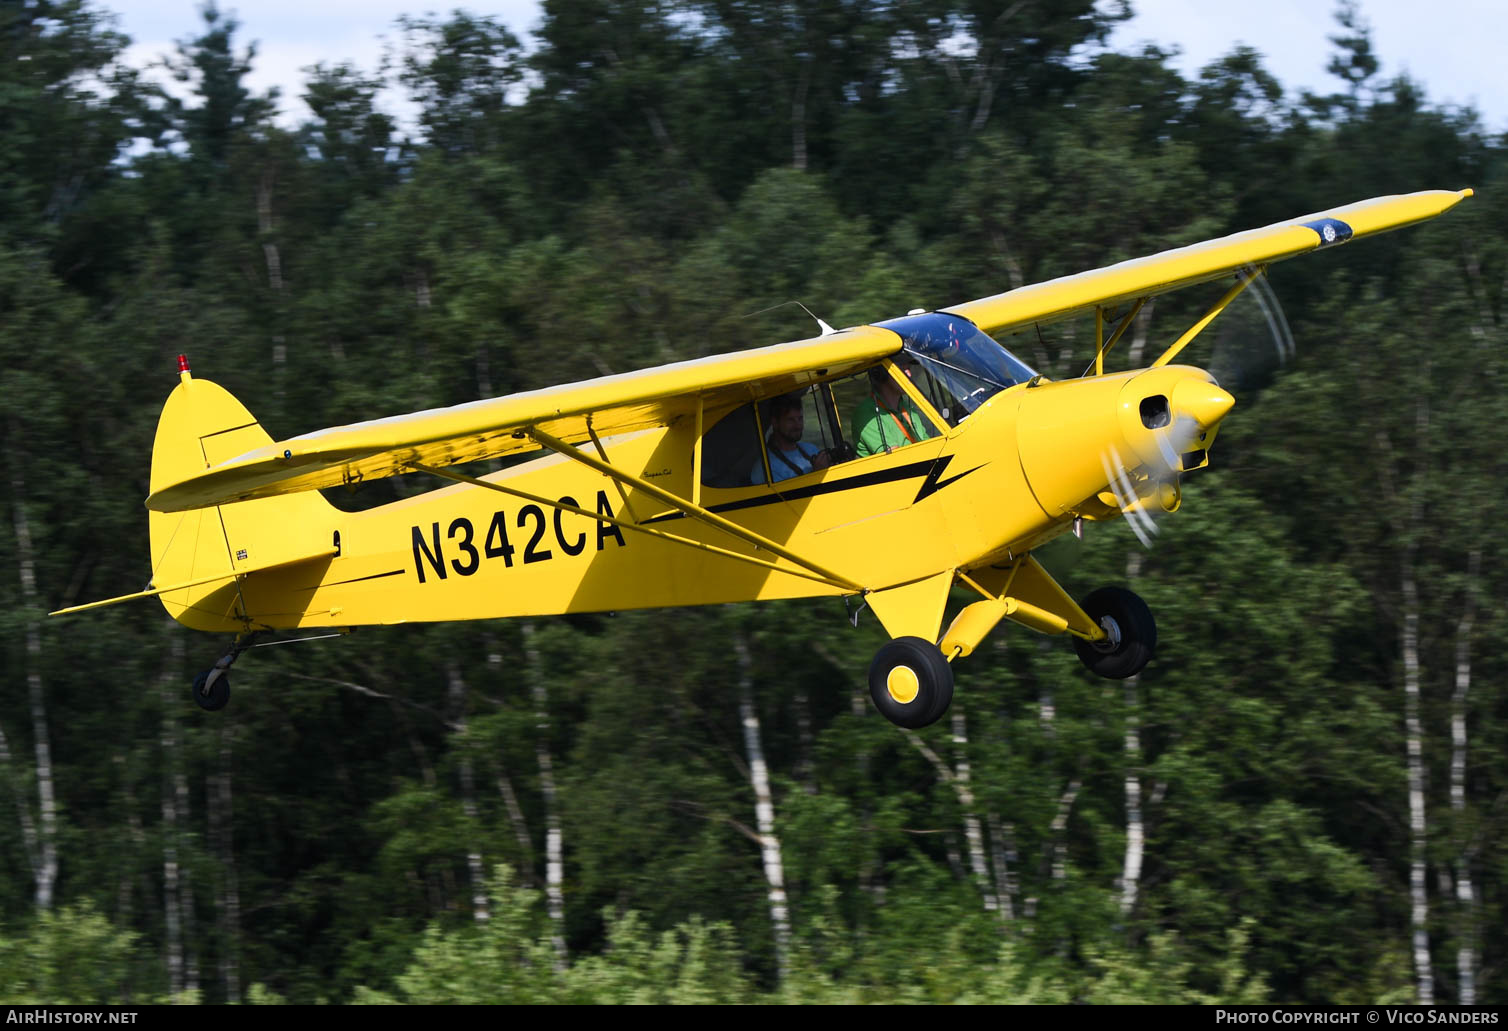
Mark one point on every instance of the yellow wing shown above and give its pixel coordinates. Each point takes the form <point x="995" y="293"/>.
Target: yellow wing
<point x="1198" y="263"/>
<point x="657" y="397"/>
<point x="486" y="429"/>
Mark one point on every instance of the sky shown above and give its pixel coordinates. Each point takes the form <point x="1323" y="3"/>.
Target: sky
<point x="1452" y="46"/>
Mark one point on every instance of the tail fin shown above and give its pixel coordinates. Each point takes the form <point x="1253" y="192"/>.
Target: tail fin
<point x="203" y="425"/>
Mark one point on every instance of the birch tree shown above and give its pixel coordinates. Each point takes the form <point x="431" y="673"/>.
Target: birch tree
<point x="764" y="804"/>
<point x="554" y="859"/>
<point x="42" y="837"/>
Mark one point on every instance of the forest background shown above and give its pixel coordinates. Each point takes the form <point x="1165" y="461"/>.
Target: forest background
<point x="1301" y="800"/>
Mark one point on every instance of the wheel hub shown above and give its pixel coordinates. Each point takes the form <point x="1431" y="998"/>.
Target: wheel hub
<point x="1112" y="630"/>
<point x="903" y="685"/>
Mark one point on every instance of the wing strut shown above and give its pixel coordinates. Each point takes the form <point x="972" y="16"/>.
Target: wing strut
<point x="697" y="512"/>
<point x="1099" y="333"/>
<point x="1243" y="280"/>
<point x="450" y="474"/>
<point x="602" y="451"/>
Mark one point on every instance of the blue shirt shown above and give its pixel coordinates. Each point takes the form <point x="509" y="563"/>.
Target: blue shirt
<point x="785" y="464"/>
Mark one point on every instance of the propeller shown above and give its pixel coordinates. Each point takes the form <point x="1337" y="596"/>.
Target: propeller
<point x="1252" y="340"/>
<point x="1161" y="419"/>
<point x="1127" y="498"/>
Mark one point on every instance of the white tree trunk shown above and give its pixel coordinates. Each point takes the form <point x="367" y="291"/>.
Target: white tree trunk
<point x="29" y="837"/>
<point x="966" y="802"/>
<point x="1003" y="842"/>
<point x="1418" y="826"/>
<point x="1060" y="830"/>
<point x="45" y="850"/>
<point x="1135" y="834"/>
<point x="515" y="817"/>
<point x="505" y="784"/>
<point x="764" y="806"/>
<point x="1466" y="928"/>
<point x="958" y="780"/>
<point x="475" y="867"/>
<point x="554" y="864"/>
<point x="1413" y="728"/>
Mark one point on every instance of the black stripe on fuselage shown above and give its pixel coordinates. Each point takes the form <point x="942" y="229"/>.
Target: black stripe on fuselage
<point x="931" y="469"/>
<point x="935" y="482"/>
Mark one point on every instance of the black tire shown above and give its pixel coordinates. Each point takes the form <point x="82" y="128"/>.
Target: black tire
<point x="911" y="683"/>
<point x="1129" y="618"/>
<point x="219" y="692"/>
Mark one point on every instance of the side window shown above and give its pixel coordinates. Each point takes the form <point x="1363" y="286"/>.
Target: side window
<point x="878" y="415"/>
<point x="730" y="449"/>
<point x="799" y="436"/>
<point x="790" y="435"/>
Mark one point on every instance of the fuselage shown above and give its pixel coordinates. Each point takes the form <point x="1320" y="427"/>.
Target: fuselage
<point x="1010" y="476"/>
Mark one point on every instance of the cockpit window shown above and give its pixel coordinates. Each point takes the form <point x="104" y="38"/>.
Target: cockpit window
<point x="730" y="448"/>
<point x="956" y="366"/>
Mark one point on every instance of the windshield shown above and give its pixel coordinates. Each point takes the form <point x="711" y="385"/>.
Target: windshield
<point x="954" y="364"/>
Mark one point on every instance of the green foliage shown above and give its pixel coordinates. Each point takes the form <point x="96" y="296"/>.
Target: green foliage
<point x="71" y="957"/>
<point x="509" y="959"/>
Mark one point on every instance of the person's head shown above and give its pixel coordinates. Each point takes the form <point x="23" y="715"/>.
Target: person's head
<point x="787" y="422"/>
<point x="885" y="388"/>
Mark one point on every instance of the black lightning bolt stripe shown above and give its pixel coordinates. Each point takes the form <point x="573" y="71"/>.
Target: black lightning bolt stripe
<point x="931" y="469"/>
<point x="934" y="481"/>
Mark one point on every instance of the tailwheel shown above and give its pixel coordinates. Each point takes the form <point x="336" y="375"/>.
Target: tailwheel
<point x="1131" y="634"/>
<point x="212" y="687"/>
<point x="911" y="683"/>
<point x="212" y="695"/>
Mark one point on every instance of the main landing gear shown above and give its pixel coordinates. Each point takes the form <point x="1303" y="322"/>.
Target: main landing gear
<point x="212" y="687"/>
<point x="911" y="680"/>
<point x="911" y="683"/>
<point x="1130" y="634"/>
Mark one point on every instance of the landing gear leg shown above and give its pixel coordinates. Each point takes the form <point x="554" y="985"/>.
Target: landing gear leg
<point x="212" y="687"/>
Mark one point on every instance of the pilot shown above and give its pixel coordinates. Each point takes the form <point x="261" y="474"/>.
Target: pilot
<point x="887" y="418"/>
<point x="789" y="454"/>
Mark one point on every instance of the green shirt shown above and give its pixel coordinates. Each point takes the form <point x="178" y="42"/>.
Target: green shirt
<point x="875" y="427"/>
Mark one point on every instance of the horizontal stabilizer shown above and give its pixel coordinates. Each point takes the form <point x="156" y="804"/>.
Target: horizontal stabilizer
<point x="229" y="574"/>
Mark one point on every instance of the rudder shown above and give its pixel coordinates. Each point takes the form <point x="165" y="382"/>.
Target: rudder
<point x="202" y="424"/>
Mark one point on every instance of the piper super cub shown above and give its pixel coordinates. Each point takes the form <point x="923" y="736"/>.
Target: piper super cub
<point x="886" y="462"/>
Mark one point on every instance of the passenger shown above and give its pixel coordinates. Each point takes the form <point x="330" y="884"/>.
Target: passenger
<point x="887" y="418"/>
<point x="789" y="454"/>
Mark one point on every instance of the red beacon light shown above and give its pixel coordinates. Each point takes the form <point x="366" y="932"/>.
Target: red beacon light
<point x="183" y="365"/>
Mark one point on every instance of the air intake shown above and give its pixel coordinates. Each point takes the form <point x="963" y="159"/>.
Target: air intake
<point x="1155" y="413"/>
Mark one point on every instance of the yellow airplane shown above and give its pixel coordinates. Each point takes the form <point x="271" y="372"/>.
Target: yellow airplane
<point x="885" y="463"/>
